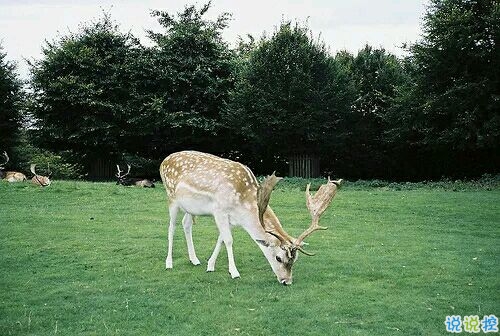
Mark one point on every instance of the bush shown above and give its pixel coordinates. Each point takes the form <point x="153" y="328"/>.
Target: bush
<point x="59" y="164"/>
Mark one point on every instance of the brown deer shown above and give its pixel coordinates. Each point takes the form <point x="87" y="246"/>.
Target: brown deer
<point x="40" y="180"/>
<point x="204" y="184"/>
<point x="132" y="181"/>
<point x="10" y="176"/>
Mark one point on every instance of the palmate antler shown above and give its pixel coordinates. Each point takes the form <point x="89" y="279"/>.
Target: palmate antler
<point x="6" y="159"/>
<point x="317" y="205"/>
<point x="32" y="169"/>
<point x="267" y="218"/>
<point x="40" y="180"/>
<point x="119" y="174"/>
<point x="263" y="195"/>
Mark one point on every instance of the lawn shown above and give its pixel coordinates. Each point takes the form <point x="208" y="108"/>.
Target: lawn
<point x="80" y="258"/>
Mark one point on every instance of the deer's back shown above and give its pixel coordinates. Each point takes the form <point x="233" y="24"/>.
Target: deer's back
<point x="206" y="175"/>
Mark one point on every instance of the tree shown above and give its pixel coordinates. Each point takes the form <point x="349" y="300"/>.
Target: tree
<point x="190" y="73"/>
<point x="10" y="104"/>
<point x="85" y="94"/>
<point x="376" y="76"/>
<point x="288" y="98"/>
<point x="452" y="114"/>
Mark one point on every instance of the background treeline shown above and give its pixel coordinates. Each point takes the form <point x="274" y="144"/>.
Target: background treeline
<point x="99" y="97"/>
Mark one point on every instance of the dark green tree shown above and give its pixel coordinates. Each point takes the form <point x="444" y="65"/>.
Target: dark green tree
<point x="85" y="95"/>
<point x="11" y="100"/>
<point x="376" y="76"/>
<point x="191" y="74"/>
<point x="289" y="96"/>
<point x="450" y="114"/>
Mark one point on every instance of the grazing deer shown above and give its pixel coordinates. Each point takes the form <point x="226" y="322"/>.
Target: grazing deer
<point x="132" y="181"/>
<point x="40" y="180"/>
<point x="204" y="184"/>
<point x="10" y="176"/>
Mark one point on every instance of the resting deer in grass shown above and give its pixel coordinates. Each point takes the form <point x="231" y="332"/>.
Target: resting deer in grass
<point x="204" y="184"/>
<point x="132" y="181"/>
<point x="10" y="176"/>
<point x="40" y="180"/>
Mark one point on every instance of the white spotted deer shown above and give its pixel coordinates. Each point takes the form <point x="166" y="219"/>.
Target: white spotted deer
<point x="204" y="184"/>
<point x="10" y="176"/>
<point x="40" y="180"/>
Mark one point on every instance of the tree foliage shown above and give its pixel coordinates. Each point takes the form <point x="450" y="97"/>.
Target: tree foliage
<point x="100" y="95"/>
<point x="449" y="112"/>
<point x="191" y="74"/>
<point x="376" y="77"/>
<point x="11" y="100"/>
<point x="289" y="95"/>
<point x="84" y="91"/>
<point x="458" y="71"/>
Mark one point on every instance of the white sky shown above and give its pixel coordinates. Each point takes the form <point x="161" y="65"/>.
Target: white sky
<point x="343" y="24"/>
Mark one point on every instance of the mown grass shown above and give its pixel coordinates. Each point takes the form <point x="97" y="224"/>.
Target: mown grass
<point x="82" y="258"/>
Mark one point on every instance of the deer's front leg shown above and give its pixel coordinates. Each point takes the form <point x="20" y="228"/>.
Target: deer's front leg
<point x="222" y="221"/>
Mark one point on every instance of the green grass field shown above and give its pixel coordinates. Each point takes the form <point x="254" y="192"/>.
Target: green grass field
<point x="81" y="258"/>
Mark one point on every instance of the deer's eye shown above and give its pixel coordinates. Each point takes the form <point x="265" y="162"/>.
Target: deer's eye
<point x="278" y="259"/>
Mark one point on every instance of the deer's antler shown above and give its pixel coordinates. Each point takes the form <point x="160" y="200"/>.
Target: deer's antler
<point x="49" y="172"/>
<point x="32" y="168"/>
<point x="6" y="159"/>
<point x="119" y="174"/>
<point x="263" y="196"/>
<point x="317" y="205"/>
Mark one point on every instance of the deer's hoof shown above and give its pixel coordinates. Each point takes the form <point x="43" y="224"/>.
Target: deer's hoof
<point x="168" y="264"/>
<point x="235" y="275"/>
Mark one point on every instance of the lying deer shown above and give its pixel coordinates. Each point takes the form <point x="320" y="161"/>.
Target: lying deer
<point x="40" y="180"/>
<point x="204" y="184"/>
<point x="10" y="176"/>
<point x="132" y="181"/>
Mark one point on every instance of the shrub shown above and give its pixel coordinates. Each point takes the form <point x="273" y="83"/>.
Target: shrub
<point x="59" y="164"/>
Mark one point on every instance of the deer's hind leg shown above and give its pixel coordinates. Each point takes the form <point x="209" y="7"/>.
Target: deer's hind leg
<point x="187" y="224"/>
<point x="173" y="209"/>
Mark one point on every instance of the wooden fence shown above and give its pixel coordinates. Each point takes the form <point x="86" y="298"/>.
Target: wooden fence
<point x="305" y="166"/>
<point x="102" y="169"/>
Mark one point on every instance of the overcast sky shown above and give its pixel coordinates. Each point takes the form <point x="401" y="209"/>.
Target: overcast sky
<point x="343" y="24"/>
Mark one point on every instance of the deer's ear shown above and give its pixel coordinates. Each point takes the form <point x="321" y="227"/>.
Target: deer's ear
<point x="262" y="242"/>
<point x="266" y="243"/>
